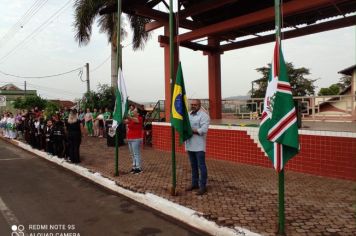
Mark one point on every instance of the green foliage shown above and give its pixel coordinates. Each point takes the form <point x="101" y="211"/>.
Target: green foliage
<point x="344" y="82"/>
<point x="51" y="109"/>
<point x="90" y="100"/>
<point x="19" y="103"/>
<point x="334" y="89"/>
<point x="86" y="13"/>
<point x="104" y="97"/>
<point x="30" y="102"/>
<point x="301" y="86"/>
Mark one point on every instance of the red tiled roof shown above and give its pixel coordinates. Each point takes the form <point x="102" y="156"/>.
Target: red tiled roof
<point x="64" y="103"/>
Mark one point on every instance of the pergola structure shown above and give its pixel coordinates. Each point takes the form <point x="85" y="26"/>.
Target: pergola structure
<point x="216" y="26"/>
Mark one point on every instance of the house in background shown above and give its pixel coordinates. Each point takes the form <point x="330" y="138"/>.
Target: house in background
<point x="9" y="93"/>
<point x="351" y="71"/>
<point x="64" y="103"/>
<point x="341" y="106"/>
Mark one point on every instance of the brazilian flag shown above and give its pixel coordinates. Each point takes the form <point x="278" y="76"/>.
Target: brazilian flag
<point x="179" y="109"/>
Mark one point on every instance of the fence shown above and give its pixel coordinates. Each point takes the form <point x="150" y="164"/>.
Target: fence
<point x="337" y="108"/>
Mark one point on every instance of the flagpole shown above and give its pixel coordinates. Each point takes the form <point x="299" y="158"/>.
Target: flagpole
<point x="118" y="63"/>
<point x="281" y="215"/>
<point x="171" y="59"/>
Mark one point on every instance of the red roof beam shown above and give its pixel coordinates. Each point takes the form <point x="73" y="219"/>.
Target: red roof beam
<point x="194" y="46"/>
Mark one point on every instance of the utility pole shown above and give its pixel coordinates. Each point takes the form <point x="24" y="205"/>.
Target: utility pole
<point x="88" y="82"/>
<point x="25" y="89"/>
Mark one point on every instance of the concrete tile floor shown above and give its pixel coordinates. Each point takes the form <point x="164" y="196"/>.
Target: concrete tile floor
<point x="238" y="195"/>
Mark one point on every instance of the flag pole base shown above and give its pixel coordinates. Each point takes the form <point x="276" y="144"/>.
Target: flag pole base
<point x="173" y="191"/>
<point x="281" y="234"/>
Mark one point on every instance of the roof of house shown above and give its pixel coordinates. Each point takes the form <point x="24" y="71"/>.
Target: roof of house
<point x="64" y="103"/>
<point x="348" y="70"/>
<point x="10" y="87"/>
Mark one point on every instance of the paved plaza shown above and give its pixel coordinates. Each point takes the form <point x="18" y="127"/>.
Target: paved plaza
<point x="238" y="195"/>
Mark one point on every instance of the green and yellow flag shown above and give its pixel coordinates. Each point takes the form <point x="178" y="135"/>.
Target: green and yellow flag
<point x="179" y="109"/>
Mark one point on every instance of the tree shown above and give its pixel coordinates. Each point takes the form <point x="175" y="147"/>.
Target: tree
<point x="51" y="109"/>
<point x="106" y="96"/>
<point x="86" y="12"/>
<point x="301" y="86"/>
<point x="344" y="82"/>
<point x="334" y="89"/>
<point x="30" y="102"/>
<point x="90" y="100"/>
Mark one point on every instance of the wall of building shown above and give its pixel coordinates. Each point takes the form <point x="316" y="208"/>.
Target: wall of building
<point x="11" y="96"/>
<point x="323" y="153"/>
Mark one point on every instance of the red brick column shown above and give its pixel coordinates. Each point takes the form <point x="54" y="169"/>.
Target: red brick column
<point x="214" y="64"/>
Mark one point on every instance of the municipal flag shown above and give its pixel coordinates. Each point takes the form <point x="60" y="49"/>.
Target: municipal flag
<point x="121" y="101"/>
<point x="179" y="109"/>
<point x="278" y="133"/>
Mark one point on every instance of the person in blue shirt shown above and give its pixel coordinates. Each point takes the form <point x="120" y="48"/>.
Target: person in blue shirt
<point x="196" y="147"/>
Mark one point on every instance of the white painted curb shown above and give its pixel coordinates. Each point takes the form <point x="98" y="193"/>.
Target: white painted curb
<point x="181" y="213"/>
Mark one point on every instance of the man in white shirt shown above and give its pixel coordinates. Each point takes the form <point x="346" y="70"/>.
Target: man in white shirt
<point x="196" y="146"/>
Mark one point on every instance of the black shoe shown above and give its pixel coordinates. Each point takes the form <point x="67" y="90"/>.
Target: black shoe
<point x="191" y="188"/>
<point x="132" y="171"/>
<point x="137" y="171"/>
<point x="201" y="191"/>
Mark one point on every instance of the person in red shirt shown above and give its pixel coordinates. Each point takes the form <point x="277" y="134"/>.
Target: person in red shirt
<point x="134" y="131"/>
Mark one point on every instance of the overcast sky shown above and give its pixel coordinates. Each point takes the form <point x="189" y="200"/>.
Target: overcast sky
<point x="53" y="50"/>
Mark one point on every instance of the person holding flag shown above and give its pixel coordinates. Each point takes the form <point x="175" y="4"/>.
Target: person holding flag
<point x="119" y="114"/>
<point x="196" y="147"/>
<point x="134" y="131"/>
<point x="192" y="129"/>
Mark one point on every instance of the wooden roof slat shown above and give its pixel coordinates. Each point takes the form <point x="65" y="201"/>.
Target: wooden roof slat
<point x="203" y="7"/>
<point x="257" y="17"/>
<point x="312" y="29"/>
<point x="153" y="3"/>
<point x="194" y="10"/>
<point x="163" y="17"/>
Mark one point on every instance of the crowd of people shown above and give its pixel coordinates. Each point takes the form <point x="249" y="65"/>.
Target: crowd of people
<point x="59" y="134"/>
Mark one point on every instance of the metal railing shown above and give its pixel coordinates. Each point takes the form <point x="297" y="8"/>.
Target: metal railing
<point x="154" y="115"/>
<point x="337" y="107"/>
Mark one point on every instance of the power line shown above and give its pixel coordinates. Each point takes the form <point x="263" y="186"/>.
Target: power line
<point x="22" y="21"/>
<point x="40" y="77"/>
<point x="43" y="88"/>
<point x="37" y="30"/>
<point x="101" y="64"/>
<point x="49" y="96"/>
<point x="49" y="89"/>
